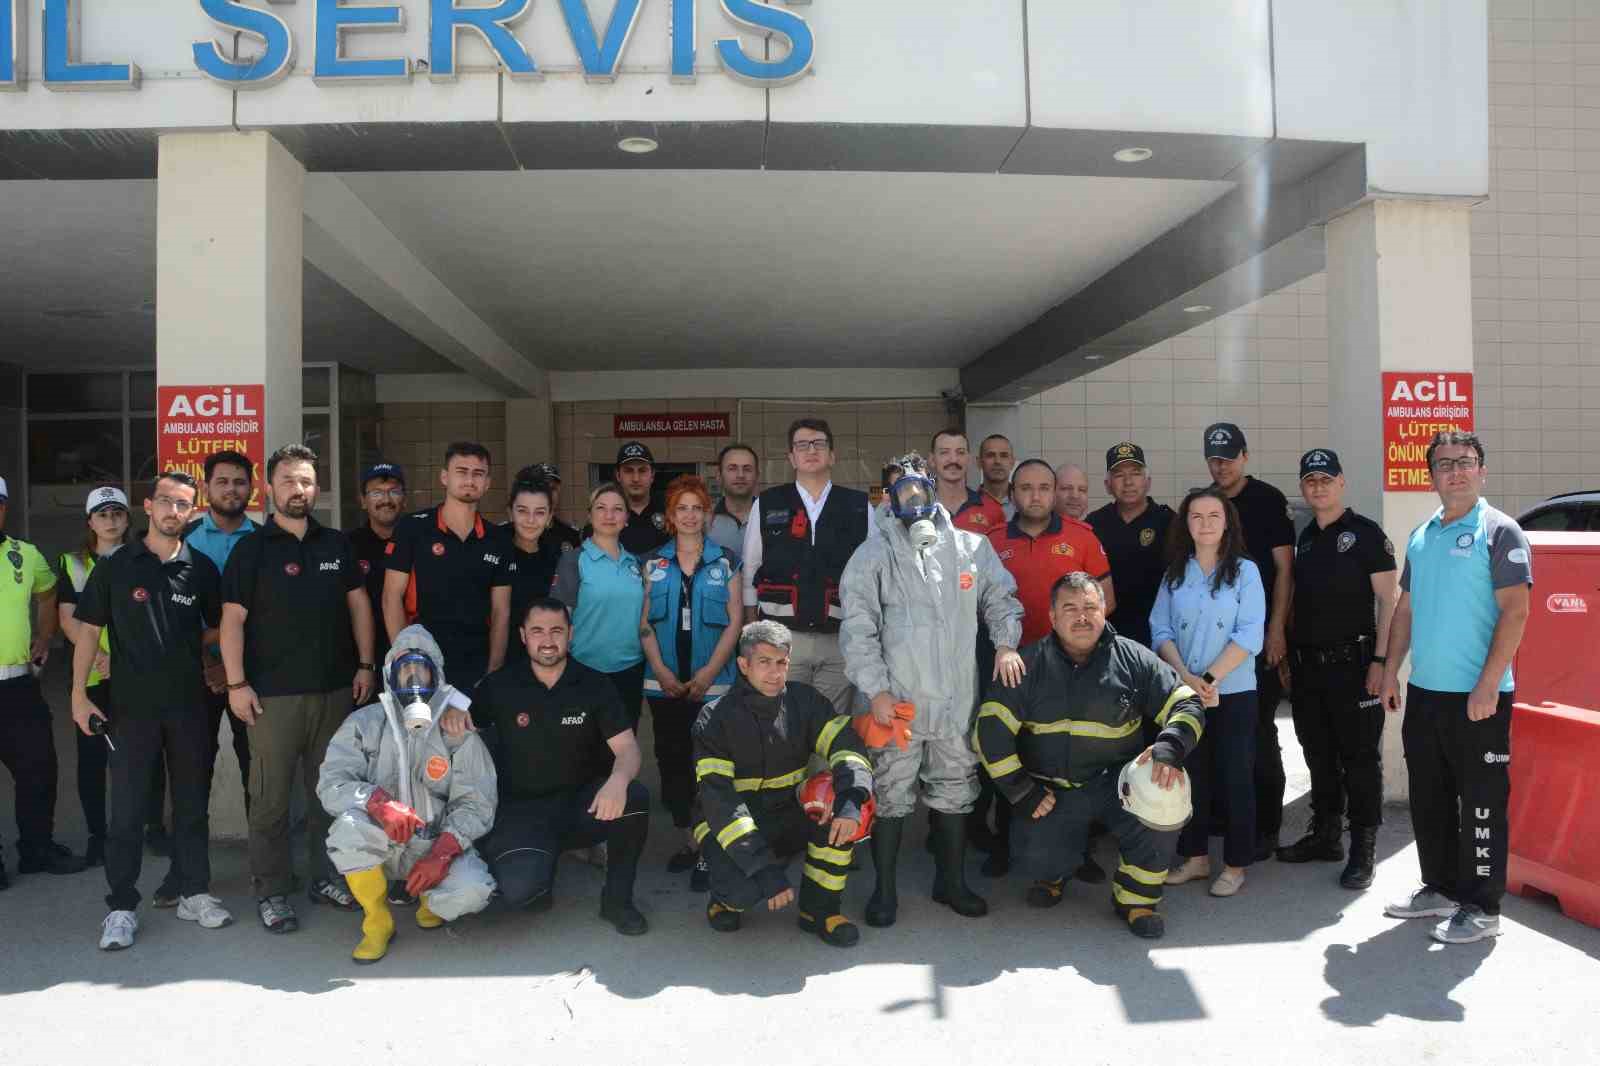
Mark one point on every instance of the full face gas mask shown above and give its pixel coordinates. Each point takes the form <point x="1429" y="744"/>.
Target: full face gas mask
<point x="413" y="680"/>
<point x="913" y="500"/>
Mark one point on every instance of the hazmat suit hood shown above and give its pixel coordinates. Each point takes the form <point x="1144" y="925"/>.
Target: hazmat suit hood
<point x="417" y="638"/>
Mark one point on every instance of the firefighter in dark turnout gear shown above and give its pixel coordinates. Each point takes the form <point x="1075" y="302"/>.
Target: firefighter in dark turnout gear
<point x="751" y="751"/>
<point x="1055" y="745"/>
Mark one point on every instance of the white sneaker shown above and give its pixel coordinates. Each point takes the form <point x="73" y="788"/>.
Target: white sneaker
<point x="116" y="932"/>
<point x="1422" y="903"/>
<point x="1467" y="925"/>
<point x="205" y="909"/>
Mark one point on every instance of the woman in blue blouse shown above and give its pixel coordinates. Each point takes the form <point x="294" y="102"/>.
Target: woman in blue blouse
<point x="601" y="583"/>
<point x="1208" y="624"/>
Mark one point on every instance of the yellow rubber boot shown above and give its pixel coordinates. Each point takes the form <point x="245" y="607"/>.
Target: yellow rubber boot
<point x="371" y="890"/>
<point x="426" y="919"/>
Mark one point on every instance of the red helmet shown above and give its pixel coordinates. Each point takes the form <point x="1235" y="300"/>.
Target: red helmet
<point x="816" y="799"/>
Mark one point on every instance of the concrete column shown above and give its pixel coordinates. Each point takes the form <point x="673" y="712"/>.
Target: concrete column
<point x="230" y="221"/>
<point x="530" y="432"/>
<point x="1399" y="297"/>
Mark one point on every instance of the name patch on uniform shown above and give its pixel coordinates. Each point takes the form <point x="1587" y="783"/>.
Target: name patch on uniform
<point x="1346" y="541"/>
<point x="437" y="767"/>
<point x="140" y="595"/>
<point x="438" y="549"/>
<point x="333" y="566"/>
<point x="292" y="569"/>
<point x="1147" y="537"/>
<point x="187" y="601"/>
<point x="575" y="719"/>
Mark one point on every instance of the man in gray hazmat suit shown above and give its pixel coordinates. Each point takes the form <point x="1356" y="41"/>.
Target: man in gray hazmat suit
<point x="911" y="602"/>
<point x="407" y="801"/>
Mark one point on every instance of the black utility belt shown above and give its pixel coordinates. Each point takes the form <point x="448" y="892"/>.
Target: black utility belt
<point x="1358" y="651"/>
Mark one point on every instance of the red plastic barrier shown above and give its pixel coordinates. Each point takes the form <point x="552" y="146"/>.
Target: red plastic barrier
<point x="1557" y="660"/>
<point x="1555" y="807"/>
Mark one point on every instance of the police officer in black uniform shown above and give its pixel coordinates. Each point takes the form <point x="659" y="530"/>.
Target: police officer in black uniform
<point x="647" y="525"/>
<point x="1133" y="530"/>
<point x="1344" y="597"/>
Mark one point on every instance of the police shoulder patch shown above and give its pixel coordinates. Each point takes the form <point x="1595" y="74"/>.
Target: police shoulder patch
<point x="1147" y="537"/>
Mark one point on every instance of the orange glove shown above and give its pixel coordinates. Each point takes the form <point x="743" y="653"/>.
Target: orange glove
<point x="898" y="732"/>
<point x="396" y="819"/>
<point x="431" y="868"/>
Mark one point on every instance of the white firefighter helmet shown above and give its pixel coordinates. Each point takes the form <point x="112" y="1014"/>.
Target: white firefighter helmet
<point x="1162" y="809"/>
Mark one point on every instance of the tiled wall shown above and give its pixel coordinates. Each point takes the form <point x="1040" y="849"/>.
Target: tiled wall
<point x="415" y="435"/>
<point x="1264" y="367"/>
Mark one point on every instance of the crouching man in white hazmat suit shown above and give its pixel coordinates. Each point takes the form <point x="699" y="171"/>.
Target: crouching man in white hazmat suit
<point x="408" y="801"/>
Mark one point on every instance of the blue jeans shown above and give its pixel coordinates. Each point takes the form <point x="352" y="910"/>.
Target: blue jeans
<point x="1223" y="765"/>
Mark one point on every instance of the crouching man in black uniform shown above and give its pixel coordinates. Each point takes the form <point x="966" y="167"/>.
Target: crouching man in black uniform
<point x="751" y="748"/>
<point x="566" y="758"/>
<point x="1056" y="744"/>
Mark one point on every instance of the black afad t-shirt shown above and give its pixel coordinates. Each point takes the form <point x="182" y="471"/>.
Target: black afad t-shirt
<point x="549" y="740"/>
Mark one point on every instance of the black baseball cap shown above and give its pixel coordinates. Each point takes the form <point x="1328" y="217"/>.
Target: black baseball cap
<point x="1320" y="461"/>
<point x="1125" y="452"/>
<point x="1224" y="440"/>
<point x="382" y="470"/>
<point x="634" y="452"/>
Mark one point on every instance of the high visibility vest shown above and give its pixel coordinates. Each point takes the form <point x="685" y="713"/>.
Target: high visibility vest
<point x="77" y="571"/>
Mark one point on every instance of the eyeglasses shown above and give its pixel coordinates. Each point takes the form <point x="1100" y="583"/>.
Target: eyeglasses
<point x="820" y="444"/>
<point x="391" y="494"/>
<point x="1466" y="464"/>
<point x="173" y="504"/>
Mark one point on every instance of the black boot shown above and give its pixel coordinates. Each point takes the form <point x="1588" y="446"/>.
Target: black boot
<point x="950" y="882"/>
<point x="1363" y="855"/>
<point x="1323" y="842"/>
<point x="881" y="908"/>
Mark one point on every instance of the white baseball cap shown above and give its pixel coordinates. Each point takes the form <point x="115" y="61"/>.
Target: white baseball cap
<point x="105" y="497"/>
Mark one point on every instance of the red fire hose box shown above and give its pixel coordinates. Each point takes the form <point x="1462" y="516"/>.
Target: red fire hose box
<point x="1555" y="806"/>
<point x="1559" y="659"/>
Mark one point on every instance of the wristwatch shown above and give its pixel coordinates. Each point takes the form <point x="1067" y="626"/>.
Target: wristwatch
<point x="1381" y="660"/>
<point x="366" y="666"/>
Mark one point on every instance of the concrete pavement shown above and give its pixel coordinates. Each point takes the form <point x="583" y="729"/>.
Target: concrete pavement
<point x="1293" y="968"/>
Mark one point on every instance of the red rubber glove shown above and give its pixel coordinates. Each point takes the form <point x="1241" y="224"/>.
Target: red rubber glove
<point x="396" y="819"/>
<point x="431" y="868"/>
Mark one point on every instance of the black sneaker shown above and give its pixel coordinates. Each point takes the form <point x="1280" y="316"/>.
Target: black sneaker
<point x="331" y="893"/>
<point x="722" y="918"/>
<point x="1046" y="893"/>
<point x="625" y="918"/>
<point x="682" y="860"/>
<point x="700" y="878"/>
<point x="52" y="859"/>
<point x="277" y="916"/>
<point x="166" y="896"/>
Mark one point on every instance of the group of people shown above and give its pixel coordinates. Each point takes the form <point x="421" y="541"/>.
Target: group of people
<point x="463" y="699"/>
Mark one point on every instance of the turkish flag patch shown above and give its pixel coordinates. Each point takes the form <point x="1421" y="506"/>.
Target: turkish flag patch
<point x="798" y="526"/>
<point x="140" y="595"/>
<point x="292" y="569"/>
<point x="366" y="567"/>
<point x="438" y="549"/>
<point x="966" y="582"/>
<point x="523" y="720"/>
<point x="437" y="767"/>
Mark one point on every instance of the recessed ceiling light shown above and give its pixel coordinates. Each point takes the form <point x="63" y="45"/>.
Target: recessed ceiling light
<point x="1196" y="309"/>
<point x="638" y="145"/>
<point x="1132" y="155"/>
<point x="1093" y="358"/>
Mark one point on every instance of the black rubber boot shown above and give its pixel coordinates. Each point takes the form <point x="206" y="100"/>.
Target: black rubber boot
<point x="1363" y="856"/>
<point x="950" y="882"/>
<point x="885" y="901"/>
<point x="1323" y="842"/>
